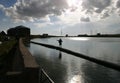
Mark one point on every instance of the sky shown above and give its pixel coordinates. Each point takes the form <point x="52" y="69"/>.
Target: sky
<point x="72" y="17"/>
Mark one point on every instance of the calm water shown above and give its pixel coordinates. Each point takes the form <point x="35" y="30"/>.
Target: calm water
<point x="71" y="69"/>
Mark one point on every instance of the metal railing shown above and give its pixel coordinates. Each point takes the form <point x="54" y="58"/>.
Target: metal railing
<point x="44" y="78"/>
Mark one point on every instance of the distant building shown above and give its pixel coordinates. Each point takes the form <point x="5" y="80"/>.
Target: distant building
<point x="82" y="35"/>
<point x="19" y="31"/>
<point x="66" y="35"/>
<point x="98" y="34"/>
<point x="2" y="33"/>
<point x="3" y="36"/>
<point x="45" y="35"/>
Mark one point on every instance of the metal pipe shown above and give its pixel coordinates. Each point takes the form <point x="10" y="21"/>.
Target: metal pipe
<point x="100" y="62"/>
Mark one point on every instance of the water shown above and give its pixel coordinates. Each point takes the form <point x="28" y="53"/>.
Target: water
<point x="71" y="69"/>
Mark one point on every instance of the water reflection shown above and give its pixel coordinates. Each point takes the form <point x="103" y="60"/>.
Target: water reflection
<point x="79" y="38"/>
<point x="48" y="59"/>
<point x="65" y="68"/>
<point x="76" y="79"/>
<point x="60" y="54"/>
<point x="94" y="73"/>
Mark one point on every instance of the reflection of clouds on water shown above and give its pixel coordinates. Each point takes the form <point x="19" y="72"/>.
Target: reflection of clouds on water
<point x="105" y="51"/>
<point x="48" y="59"/>
<point x="76" y="79"/>
<point x="95" y="39"/>
<point x="79" y="38"/>
<point x="71" y="69"/>
<point x="94" y="73"/>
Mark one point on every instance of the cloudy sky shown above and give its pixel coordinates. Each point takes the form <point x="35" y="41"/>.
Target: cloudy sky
<point x="73" y="17"/>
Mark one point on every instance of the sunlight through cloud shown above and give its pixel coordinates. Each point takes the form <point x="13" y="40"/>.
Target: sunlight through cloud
<point x="29" y="10"/>
<point x="73" y="2"/>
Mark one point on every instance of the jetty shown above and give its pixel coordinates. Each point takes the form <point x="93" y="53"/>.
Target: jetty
<point x="21" y="67"/>
<point x="17" y="65"/>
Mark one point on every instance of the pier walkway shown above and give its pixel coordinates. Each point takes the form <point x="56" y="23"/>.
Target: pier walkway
<point x="22" y="68"/>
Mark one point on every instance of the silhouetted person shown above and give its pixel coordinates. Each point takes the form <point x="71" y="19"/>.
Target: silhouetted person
<point x="60" y="42"/>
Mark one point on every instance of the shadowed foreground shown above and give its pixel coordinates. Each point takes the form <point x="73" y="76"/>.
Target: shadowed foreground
<point x="22" y="68"/>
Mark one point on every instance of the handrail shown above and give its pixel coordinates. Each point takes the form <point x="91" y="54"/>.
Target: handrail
<point x="100" y="62"/>
<point x="46" y="79"/>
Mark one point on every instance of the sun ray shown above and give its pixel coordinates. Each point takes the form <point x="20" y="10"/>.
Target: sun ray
<point x="73" y="2"/>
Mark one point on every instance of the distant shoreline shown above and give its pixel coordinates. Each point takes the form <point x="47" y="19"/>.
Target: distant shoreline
<point x="92" y="36"/>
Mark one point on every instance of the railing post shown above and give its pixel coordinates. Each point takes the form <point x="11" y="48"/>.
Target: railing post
<point x="47" y="79"/>
<point x="40" y="76"/>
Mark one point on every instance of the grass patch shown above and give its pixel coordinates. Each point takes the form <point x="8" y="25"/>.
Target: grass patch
<point x="5" y="47"/>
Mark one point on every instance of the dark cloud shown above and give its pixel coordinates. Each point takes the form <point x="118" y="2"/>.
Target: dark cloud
<point x="99" y="4"/>
<point x="35" y="9"/>
<point x="29" y="9"/>
<point x="104" y="15"/>
<point x="85" y="19"/>
<point x="118" y="4"/>
<point x="41" y="8"/>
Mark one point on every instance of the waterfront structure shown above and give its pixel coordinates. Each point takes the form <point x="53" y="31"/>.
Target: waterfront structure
<point x="45" y="35"/>
<point x="3" y="36"/>
<point x="19" y="31"/>
<point x="2" y="33"/>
